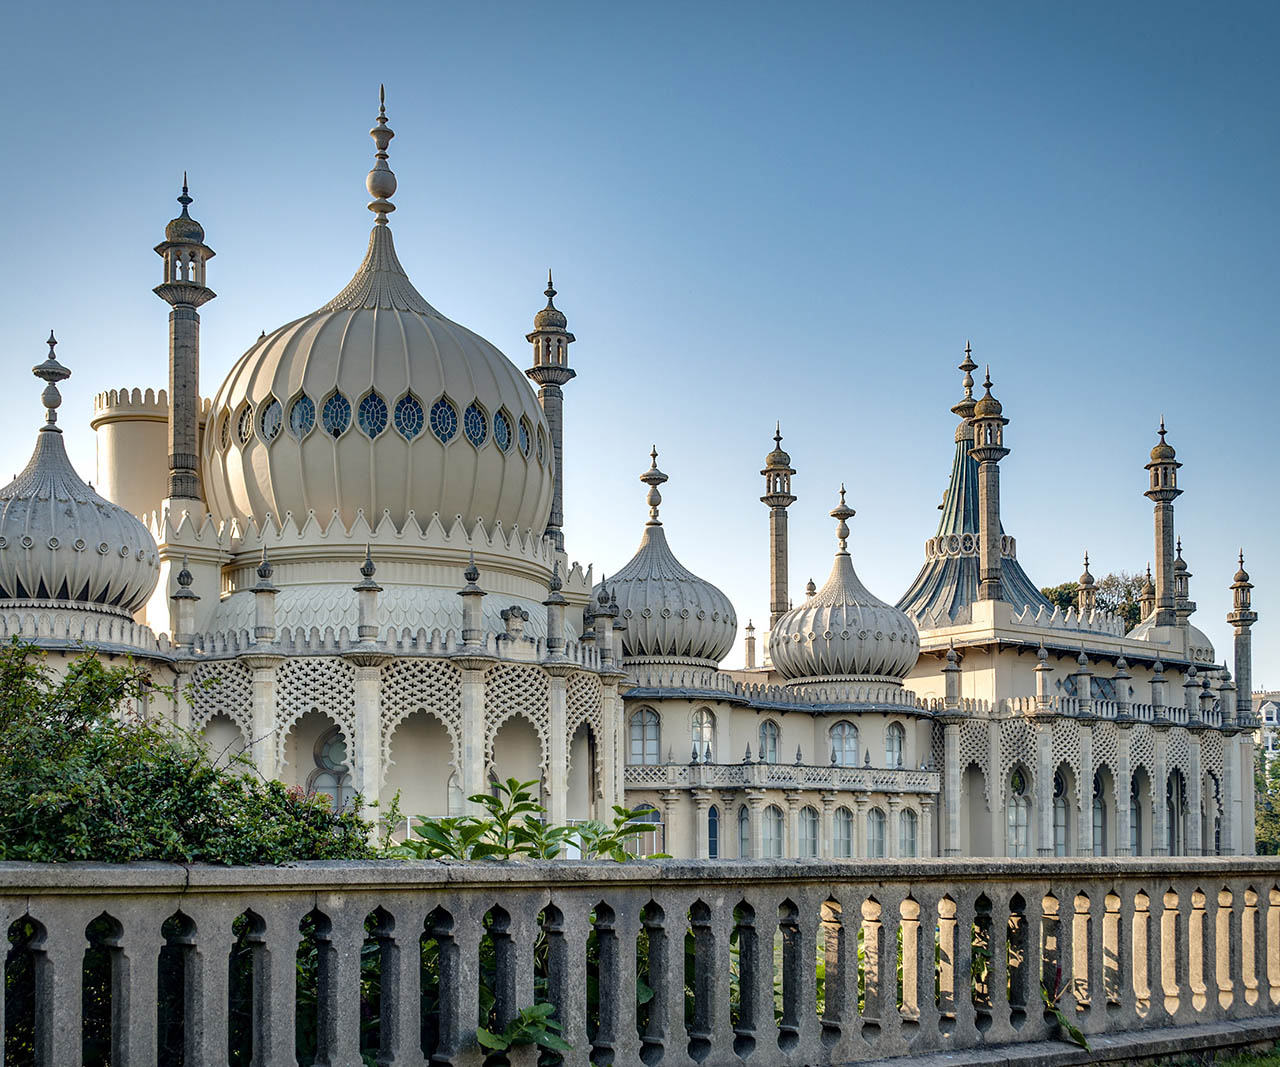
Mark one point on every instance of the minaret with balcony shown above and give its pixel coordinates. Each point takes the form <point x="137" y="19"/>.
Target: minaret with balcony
<point x="1242" y="617"/>
<point x="1163" y="491"/>
<point x="551" y="370"/>
<point x="777" y="497"/>
<point x="988" y="450"/>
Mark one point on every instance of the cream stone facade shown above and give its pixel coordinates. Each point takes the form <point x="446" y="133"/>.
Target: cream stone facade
<point x="351" y="563"/>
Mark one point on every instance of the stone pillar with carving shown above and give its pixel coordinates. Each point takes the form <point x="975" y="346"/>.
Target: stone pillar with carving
<point x="701" y="812"/>
<point x="894" y="829"/>
<point x="366" y="753"/>
<point x="551" y="370"/>
<point x="1159" y="782"/>
<point x="1044" y="787"/>
<point x="1196" y="845"/>
<point x="988" y="450"/>
<point x="1084" y="789"/>
<point x="474" y="740"/>
<point x="755" y="802"/>
<point x="1124" y="787"/>
<point x="264" y="744"/>
<point x="826" y="844"/>
<point x="558" y="743"/>
<point x="861" y="803"/>
<point x="927" y="846"/>
<point x="1242" y="617"/>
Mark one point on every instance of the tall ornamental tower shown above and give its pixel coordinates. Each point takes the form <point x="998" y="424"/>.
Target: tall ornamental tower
<point x="1164" y="490"/>
<point x="1242" y="617"/>
<point x="185" y="255"/>
<point x="988" y="449"/>
<point x="777" y="495"/>
<point x="551" y="370"/>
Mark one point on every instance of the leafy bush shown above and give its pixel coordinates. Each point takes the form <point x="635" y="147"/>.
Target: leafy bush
<point x="85" y="776"/>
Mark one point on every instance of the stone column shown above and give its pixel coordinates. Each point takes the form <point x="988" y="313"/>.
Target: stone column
<point x="951" y="787"/>
<point x="1084" y="821"/>
<point x="826" y="845"/>
<point x="1163" y="491"/>
<point x="861" y="846"/>
<point x="1196" y="845"/>
<point x="1159" y="782"/>
<point x="701" y="808"/>
<point x="558" y="744"/>
<point x="1044" y="788"/>
<point x="612" y="746"/>
<point x="264" y="745"/>
<point x="474" y="727"/>
<point x="182" y="695"/>
<point x="671" y="821"/>
<point x="791" y="846"/>
<point x="891" y="849"/>
<point x="366" y="754"/>
<point x="1244" y="775"/>
<point x="928" y="846"/>
<point x="551" y="370"/>
<point x="1230" y="794"/>
<point x="777" y="497"/>
<point x="995" y="813"/>
<point x="755" y="802"/>
<point x="1124" y="787"/>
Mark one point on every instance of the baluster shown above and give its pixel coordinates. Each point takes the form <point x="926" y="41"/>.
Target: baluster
<point x="1231" y="953"/>
<point x="1182" y="953"/>
<point x="275" y="984"/>
<point x="966" y="1031"/>
<point x="1037" y="963"/>
<point x="339" y="949"/>
<point x="1213" y="988"/>
<point x="567" y="931"/>
<point x="627" y="906"/>
<point x="400" y="1006"/>
<point x="1095" y="1020"/>
<point x="136" y="1011"/>
<point x="59" y="982"/>
<point x="925" y="971"/>
<point x="206" y="1012"/>
<point x="891" y="1039"/>
<point x="522" y="933"/>
<point x="1258" y="938"/>
<point x="610" y="986"/>
<point x="809" y="901"/>
<point x="1126" y="1012"/>
<point x="998" y="972"/>
<point x="459" y="941"/>
<point x="841" y="1025"/>
<point x="717" y="981"/>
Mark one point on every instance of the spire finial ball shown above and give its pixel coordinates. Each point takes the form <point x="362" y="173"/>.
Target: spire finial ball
<point x="381" y="181"/>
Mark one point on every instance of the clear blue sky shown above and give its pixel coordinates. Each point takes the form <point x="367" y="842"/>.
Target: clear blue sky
<point x="754" y="212"/>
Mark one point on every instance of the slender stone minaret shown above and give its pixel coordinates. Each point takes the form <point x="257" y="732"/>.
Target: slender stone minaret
<point x="777" y="496"/>
<point x="988" y="449"/>
<point x="1183" y="606"/>
<point x="185" y="255"/>
<point x="1242" y="617"/>
<point x="1086" y="590"/>
<point x="751" y="646"/>
<point x="1163" y="492"/>
<point x="551" y="370"/>
<point x="1147" y="598"/>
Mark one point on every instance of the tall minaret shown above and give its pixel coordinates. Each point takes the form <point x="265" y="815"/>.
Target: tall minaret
<point x="988" y="449"/>
<point x="1242" y="617"/>
<point x="1183" y="606"/>
<point x="551" y="370"/>
<point x="1163" y="492"/>
<point x="185" y="255"/>
<point x="777" y="495"/>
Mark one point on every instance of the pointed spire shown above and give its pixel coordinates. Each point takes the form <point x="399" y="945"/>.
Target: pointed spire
<point x="381" y="181"/>
<point x="653" y="478"/>
<point x="51" y="372"/>
<point x="842" y="513"/>
<point x="965" y="407"/>
<point x="265" y="569"/>
<point x="367" y="569"/>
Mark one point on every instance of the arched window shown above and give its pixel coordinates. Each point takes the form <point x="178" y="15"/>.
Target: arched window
<point x="908" y="833"/>
<point x="1099" y="817"/>
<point x="808" y="849"/>
<point x="875" y="834"/>
<point x="332" y="777"/>
<point x="768" y="741"/>
<point x="844" y="744"/>
<point x="1061" y="814"/>
<point x="744" y="833"/>
<point x="894" y="741"/>
<point x="713" y="832"/>
<point x="704" y="734"/>
<point x="1135" y="821"/>
<point x="645" y="737"/>
<point x="843" y="834"/>
<point x="1176" y="806"/>
<point x="771" y="836"/>
<point x="1019" y="813"/>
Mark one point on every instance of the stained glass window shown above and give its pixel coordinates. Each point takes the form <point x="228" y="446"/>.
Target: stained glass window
<point x="475" y="425"/>
<point x="271" y="419"/>
<point x="336" y="415"/>
<point x="409" y="417"/>
<point x="502" y="430"/>
<point x="373" y="414"/>
<point x="244" y="425"/>
<point x="524" y="437"/>
<point x="302" y="416"/>
<point x="444" y="419"/>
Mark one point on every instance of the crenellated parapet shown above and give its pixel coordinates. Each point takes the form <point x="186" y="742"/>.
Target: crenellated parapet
<point x="141" y="404"/>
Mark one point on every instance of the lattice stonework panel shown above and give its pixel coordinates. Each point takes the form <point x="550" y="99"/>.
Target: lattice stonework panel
<point x="583" y="703"/>
<point x="325" y="684"/>
<point x="1105" y="748"/>
<point x="1142" y="749"/>
<point x="1180" y="751"/>
<point x="222" y="688"/>
<point x="938" y="749"/>
<point x="1211" y="751"/>
<point x="411" y="685"/>
<point x="1066" y="744"/>
<point x="514" y="689"/>
<point x="973" y="749"/>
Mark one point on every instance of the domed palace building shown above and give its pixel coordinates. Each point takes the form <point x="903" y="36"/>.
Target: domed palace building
<point x="350" y="563"/>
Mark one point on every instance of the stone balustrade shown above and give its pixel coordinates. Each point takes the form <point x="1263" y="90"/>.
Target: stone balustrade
<point x="779" y="963"/>
<point x="780" y="776"/>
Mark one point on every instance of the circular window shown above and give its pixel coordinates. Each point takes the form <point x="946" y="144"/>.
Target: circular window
<point x="524" y="437"/>
<point x="475" y="425"/>
<point x="542" y="447"/>
<point x="409" y="417"/>
<point x="332" y="755"/>
<point x="444" y="419"/>
<point x="336" y="416"/>
<point x="271" y="419"/>
<point x="373" y="414"/>
<point x="244" y="425"/>
<point x="302" y="416"/>
<point x="502" y="430"/>
<point x="224" y="431"/>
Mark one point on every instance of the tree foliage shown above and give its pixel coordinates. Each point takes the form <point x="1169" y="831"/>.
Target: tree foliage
<point x="86" y="775"/>
<point x="1266" y="799"/>
<point x="1118" y="592"/>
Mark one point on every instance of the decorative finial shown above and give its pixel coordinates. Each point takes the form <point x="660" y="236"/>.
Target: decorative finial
<point x="653" y="478"/>
<point x="968" y="366"/>
<point x="185" y="577"/>
<point x="810" y="589"/>
<point x="777" y="433"/>
<point x="472" y="573"/>
<point x="367" y="569"/>
<point x="185" y="198"/>
<point x="52" y="372"/>
<point x="842" y="513"/>
<point x="550" y="291"/>
<point x="381" y="181"/>
<point x="987" y="383"/>
<point x="265" y="569"/>
<point x="555" y="584"/>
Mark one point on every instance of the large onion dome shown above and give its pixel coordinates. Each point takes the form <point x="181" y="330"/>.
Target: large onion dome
<point x="59" y="540"/>
<point x="379" y="402"/>
<point x="843" y="632"/>
<point x="670" y="613"/>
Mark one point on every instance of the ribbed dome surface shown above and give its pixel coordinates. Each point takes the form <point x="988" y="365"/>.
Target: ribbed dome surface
<point x="378" y="402"/>
<point x="59" y="540"/>
<point x="669" y="611"/>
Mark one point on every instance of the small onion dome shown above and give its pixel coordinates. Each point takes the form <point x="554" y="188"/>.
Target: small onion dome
<point x="550" y="317"/>
<point x="61" y="541"/>
<point x="1086" y="579"/>
<point x="843" y="631"/>
<point x="1163" y="451"/>
<point x="778" y="459"/>
<point x="184" y="228"/>
<point x="1242" y="575"/>
<point x="1180" y="564"/>
<point x="670" y="613"/>
<point x="988" y="406"/>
